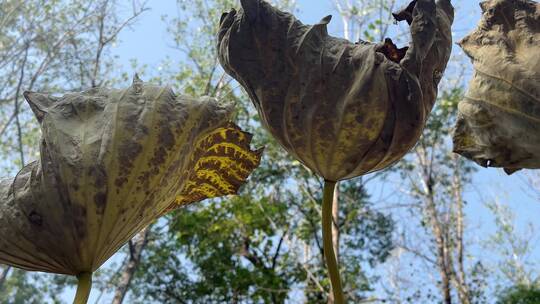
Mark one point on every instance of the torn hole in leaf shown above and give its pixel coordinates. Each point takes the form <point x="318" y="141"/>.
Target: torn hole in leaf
<point x="388" y="48"/>
<point x="391" y="51"/>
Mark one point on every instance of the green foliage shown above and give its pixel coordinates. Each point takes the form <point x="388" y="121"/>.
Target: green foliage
<point x="436" y="179"/>
<point x="265" y="245"/>
<point x="247" y="248"/>
<point x="520" y="294"/>
<point x="48" y="46"/>
<point x="365" y="239"/>
<point x="22" y="287"/>
<point x="516" y="248"/>
<point x="234" y="249"/>
<point x="18" y="289"/>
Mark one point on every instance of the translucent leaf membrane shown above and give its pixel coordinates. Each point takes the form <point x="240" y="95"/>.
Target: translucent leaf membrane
<point x="499" y="118"/>
<point x="343" y="109"/>
<point x="221" y="163"/>
<point x="113" y="161"/>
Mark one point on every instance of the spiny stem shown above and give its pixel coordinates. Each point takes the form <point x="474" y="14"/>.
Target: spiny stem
<point x="83" y="288"/>
<point x="329" y="255"/>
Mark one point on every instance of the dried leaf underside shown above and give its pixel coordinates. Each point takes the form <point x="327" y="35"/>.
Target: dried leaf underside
<point x="344" y="109"/>
<point x="113" y="161"/>
<point x="499" y="118"/>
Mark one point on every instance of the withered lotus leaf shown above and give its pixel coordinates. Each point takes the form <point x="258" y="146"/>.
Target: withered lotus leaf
<point x="499" y="118"/>
<point x="343" y="109"/>
<point x="112" y="161"/>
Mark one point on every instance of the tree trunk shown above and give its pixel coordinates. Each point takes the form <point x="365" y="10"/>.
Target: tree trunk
<point x="460" y="279"/>
<point x="136" y="247"/>
<point x="442" y="257"/>
<point x="3" y="276"/>
<point x="441" y="242"/>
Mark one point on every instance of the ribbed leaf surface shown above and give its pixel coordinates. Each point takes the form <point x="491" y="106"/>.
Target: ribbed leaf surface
<point x="113" y="161"/>
<point x="343" y="109"/>
<point x="499" y="118"/>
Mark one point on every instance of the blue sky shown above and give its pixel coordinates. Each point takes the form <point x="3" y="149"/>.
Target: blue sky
<point x="148" y="42"/>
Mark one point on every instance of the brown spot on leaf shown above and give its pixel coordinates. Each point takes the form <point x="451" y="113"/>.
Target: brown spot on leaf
<point x="79" y="220"/>
<point x="100" y="199"/>
<point x="128" y="152"/>
<point x="67" y="162"/>
<point x="166" y="138"/>
<point x="100" y="176"/>
<point x="35" y="218"/>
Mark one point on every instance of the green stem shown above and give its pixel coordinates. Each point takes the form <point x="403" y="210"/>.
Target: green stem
<point x="83" y="288"/>
<point x="329" y="255"/>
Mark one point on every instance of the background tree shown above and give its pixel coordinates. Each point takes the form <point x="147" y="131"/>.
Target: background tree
<point x="431" y="175"/>
<point x="514" y="246"/>
<point x="48" y="46"/>
<point x="520" y="295"/>
<point x="435" y="179"/>
<point x="404" y="234"/>
<point x="264" y="246"/>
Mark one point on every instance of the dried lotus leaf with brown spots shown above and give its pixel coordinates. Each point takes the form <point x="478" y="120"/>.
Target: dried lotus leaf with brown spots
<point x="221" y="163"/>
<point x="342" y="109"/>
<point x="113" y="161"/>
<point x="499" y="118"/>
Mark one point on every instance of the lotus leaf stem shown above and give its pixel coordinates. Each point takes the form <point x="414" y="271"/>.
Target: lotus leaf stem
<point x="83" y="288"/>
<point x="329" y="255"/>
